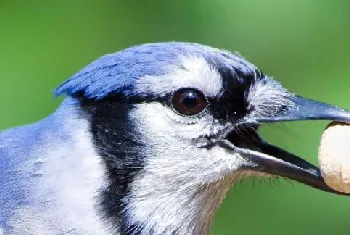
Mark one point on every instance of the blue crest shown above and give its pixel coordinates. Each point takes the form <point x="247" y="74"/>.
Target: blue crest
<point x="117" y="73"/>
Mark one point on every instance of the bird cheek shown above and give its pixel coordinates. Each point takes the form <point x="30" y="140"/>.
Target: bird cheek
<point x="224" y="163"/>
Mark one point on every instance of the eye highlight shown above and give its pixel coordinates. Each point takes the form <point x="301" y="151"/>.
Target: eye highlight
<point x="188" y="101"/>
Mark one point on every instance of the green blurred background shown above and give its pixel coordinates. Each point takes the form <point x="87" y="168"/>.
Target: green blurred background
<point x="303" y="44"/>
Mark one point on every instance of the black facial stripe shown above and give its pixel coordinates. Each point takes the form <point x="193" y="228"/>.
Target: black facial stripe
<point x="127" y="100"/>
<point x="119" y="144"/>
<point x="232" y="104"/>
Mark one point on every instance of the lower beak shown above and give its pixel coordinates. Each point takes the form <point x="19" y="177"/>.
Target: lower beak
<point x="264" y="157"/>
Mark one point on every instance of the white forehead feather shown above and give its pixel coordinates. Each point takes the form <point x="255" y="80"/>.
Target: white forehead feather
<point x="193" y="72"/>
<point x="266" y="97"/>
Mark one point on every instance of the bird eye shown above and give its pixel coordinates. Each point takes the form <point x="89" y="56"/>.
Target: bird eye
<point x="189" y="101"/>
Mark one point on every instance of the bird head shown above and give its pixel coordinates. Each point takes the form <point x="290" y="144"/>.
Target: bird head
<point x="176" y="125"/>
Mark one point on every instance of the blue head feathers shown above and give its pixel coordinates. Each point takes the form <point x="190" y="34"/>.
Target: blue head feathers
<point x="117" y="73"/>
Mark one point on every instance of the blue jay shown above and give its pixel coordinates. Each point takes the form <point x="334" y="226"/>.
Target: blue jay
<point x="148" y="141"/>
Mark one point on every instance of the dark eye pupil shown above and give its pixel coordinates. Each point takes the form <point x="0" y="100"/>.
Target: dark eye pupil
<point x="188" y="101"/>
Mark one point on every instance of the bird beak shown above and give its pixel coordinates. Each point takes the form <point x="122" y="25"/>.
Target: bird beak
<point x="266" y="158"/>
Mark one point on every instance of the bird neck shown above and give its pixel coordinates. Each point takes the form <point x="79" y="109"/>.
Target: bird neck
<point x="141" y="197"/>
<point x="173" y="209"/>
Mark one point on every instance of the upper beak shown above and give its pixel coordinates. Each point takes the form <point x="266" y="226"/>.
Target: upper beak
<point x="306" y="109"/>
<point x="264" y="157"/>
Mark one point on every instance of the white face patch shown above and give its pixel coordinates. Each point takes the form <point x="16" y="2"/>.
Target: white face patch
<point x="194" y="72"/>
<point x="182" y="185"/>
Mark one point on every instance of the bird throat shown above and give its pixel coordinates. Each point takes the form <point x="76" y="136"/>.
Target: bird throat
<point x="175" y="209"/>
<point x="136" y="201"/>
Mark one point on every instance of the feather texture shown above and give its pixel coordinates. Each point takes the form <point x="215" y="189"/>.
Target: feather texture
<point x="119" y="72"/>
